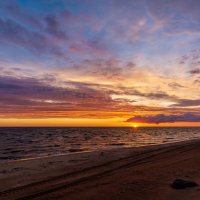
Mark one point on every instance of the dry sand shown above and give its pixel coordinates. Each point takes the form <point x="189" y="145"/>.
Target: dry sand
<point x="120" y="174"/>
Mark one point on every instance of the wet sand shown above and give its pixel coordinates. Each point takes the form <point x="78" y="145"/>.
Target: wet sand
<point x="125" y="173"/>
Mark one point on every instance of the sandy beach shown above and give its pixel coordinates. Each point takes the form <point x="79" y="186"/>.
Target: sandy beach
<point x="123" y="173"/>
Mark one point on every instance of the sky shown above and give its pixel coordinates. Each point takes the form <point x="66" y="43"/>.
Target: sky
<point x="99" y="63"/>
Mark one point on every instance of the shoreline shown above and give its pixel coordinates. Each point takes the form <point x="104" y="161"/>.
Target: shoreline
<point x="21" y="173"/>
<point x="106" y="149"/>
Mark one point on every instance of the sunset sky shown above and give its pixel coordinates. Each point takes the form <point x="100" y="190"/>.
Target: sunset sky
<point x="99" y="62"/>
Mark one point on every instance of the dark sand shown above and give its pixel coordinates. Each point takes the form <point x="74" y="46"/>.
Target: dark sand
<point x="135" y="174"/>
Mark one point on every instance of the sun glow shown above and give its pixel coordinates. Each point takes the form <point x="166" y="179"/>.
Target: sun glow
<point x="135" y="125"/>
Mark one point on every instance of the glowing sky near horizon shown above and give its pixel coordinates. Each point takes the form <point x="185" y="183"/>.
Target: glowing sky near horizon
<point x="99" y="62"/>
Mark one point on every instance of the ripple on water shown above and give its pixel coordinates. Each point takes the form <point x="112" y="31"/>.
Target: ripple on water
<point x="17" y="143"/>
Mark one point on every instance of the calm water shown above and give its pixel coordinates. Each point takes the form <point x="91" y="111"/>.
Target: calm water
<point x="19" y="143"/>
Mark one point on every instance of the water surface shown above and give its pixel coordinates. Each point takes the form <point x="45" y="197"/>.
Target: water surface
<point x="20" y="143"/>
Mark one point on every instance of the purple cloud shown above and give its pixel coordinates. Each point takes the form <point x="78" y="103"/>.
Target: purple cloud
<point x="195" y="71"/>
<point x="192" y="60"/>
<point x="187" y="103"/>
<point x="12" y="32"/>
<point x="34" y="97"/>
<point x="176" y="17"/>
<point x="53" y="28"/>
<point x="161" y="118"/>
<point x="112" y="69"/>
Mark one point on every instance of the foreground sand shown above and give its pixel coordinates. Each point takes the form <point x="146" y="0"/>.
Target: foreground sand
<point x="142" y="173"/>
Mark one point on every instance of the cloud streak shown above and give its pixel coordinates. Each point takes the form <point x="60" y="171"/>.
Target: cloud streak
<point x="34" y="97"/>
<point x="161" y="118"/>
<point x="187" y="103"/>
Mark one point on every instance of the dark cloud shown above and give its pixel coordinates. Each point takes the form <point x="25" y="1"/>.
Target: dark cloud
<point x="161" y="118"/>
<point x="131" y="91"/>
<point x="175" y="85"/>
<point x="149" y="95"/>
<point x="31" y="96"/>
<point x="160" y="95"/>
<point x="33" y="89"/>
<point x="195" y="71"/>
<point x="187" y="103"/>
<point x="192" y="61"/>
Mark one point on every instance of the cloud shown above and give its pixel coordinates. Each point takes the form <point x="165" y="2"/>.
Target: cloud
<point x="197" y="81"/>
<point x="149" y="95"/>
<point x="187" y="103"/>
<point x="113" y="51"/>
<point x="192" y="59"/>
<point x="175" y="85"/>
<point x="92" y="47"/>
<point x="110" y="69"/>
<point x="21" y="15"/>
<point x="36" y="97"/>
<point x="161" y="118"/>
<point x="176" y="17"/>
<point x="14" y="33"/>
<point x="49" y="97"/>
<point x="53" y="28"/>
<point x="195" y="71"/>
<point x="31" y="88"/>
